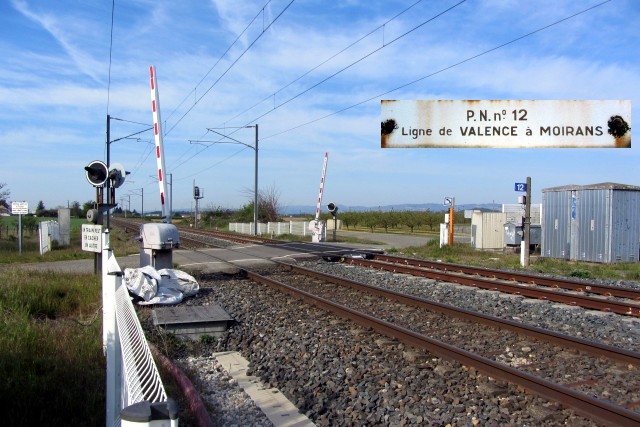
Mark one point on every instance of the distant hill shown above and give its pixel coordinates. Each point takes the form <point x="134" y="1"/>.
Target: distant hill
<point x="434" y="207"/>
<point x="311" y="210"/>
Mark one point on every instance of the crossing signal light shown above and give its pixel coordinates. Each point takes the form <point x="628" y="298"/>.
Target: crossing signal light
<point x="332" y="208"/>
<point x="97" y="173"/>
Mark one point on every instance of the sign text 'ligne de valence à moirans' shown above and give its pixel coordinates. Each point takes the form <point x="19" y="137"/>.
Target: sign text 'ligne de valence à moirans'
<point x="505" y="124"/>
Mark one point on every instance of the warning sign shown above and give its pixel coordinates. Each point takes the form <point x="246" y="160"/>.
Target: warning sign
<point x="91" y="238"/>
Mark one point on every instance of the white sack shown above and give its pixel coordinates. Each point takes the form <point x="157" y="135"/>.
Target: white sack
<point x="166" y="286"/>
<point x="178" y="279"/>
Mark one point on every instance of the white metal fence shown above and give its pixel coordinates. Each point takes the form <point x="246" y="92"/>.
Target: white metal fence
<point x="132" y="375"/>
<point x="141" y="378"/>
<point x="48" y="231"/>
<point x="298" y="228"/>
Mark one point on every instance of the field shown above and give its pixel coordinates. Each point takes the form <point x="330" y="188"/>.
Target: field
<point x="51" y="360"/>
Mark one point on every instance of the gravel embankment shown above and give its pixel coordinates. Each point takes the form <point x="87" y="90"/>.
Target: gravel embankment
<point x="342" y="375"/>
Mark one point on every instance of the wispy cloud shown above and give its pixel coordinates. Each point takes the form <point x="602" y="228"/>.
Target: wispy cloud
<point x="52" y="24"/>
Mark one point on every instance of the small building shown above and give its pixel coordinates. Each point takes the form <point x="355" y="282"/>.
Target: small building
<point x="487" y="230"/>
<point x="597" y="222"/>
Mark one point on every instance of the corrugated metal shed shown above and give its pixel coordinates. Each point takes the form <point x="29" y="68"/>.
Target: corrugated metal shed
<point x="598" y="222"/>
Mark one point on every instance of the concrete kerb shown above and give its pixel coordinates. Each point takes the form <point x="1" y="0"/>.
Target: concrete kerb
<point x="280" y="411"/>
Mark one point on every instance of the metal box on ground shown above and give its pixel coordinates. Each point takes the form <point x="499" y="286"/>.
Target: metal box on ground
<point x="513" y="234"/>
<point x="192" y="322"/>
<point x="156" y="244"/>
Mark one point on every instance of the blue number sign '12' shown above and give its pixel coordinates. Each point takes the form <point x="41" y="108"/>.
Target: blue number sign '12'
<point x="521" y="186"/>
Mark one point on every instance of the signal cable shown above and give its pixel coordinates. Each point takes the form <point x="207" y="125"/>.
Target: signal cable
<point x="326" y="60"/>
<point x="264" y="30"/>
<point x="359" y="60"/>
<point x="338" y="72"/>
<point x="440" y="70"/>
<point x="218" y="61"/>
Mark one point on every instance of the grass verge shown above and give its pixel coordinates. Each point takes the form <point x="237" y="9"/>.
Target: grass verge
<point x="51" y="360"/>
<point x="465" y="254"/>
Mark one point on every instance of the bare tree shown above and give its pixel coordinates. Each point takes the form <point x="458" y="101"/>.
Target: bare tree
<point x="4" y="194"/>
<point x="268" y="203"/>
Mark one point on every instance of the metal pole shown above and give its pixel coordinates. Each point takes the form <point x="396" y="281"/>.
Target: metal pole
<point x="335" y="226"/>
<point x="170" y="197"/>
<point x="110" y="337"/>
<point x="142" y="208"/>
<point x="451" y="214"/>
<point x="20" y="234"/>
<point x="255" y="195"/>
<point x="527" y="223"/>
<point x="108" y="184"/>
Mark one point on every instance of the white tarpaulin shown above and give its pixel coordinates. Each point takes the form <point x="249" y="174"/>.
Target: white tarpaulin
<point x="166" y="286"/>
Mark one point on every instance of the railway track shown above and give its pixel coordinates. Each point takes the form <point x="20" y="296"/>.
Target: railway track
<point x="598" y="381"/>
<point x="193" y="238"/>
<point x="593" y="296"/>
<point x="617" y="300"/>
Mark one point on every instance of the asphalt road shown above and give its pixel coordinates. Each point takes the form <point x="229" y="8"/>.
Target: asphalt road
<point x="230" y="259"/>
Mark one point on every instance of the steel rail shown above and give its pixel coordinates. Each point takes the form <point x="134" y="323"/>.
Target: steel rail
<point x="580" y="344"/>
<point x="229" y="236"/>
<point x="533" y="279"/>
<point x="483" y="283"/>
<point x="585" y="405"/>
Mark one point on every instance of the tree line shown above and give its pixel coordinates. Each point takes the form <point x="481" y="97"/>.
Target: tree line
<point x="427" y="220"/>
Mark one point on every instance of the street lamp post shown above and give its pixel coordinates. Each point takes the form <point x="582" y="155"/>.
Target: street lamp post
<point x="254" y="148"/>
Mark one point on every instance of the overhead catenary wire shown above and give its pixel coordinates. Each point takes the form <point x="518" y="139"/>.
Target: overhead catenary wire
<point x="349" y="46"/>
<point x="471" y="58"/>
<point x="233" y="63"/>
<point x="362" y="58"/>
<point x="380" y="95"/>
<point x="264" y="29"/>
<point x="339" y="71"/>
<point x="193" y="91"/>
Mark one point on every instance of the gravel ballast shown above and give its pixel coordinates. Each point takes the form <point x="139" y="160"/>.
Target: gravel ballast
<point x="340" y="374"/>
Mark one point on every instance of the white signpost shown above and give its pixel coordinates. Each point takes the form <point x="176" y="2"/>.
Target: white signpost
<point x="19" y="208"/>
<point x="92" y="238"/>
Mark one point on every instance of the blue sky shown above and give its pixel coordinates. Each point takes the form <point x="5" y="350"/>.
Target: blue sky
<point x="311" y="74"/>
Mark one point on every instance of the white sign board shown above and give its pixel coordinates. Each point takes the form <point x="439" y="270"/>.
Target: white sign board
<point x="505" y="124"/>
<point x="19" y="208"/>
<point x="91" y="238"/>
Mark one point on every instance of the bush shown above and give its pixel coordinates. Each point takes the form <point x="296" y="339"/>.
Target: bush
<point x="581" y="274"/>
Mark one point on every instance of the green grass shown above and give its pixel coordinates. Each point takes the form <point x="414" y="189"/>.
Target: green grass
<point x="51" y="360"/>
<point x="464" y="254"/>
<point x="121" y="242"/>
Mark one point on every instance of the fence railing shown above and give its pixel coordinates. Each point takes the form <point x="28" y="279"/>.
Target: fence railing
<point x="47" y="232"/>
<point x="298" y="228"/>
<point x="141" y="378"/>
<point x="132" y="376"/>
